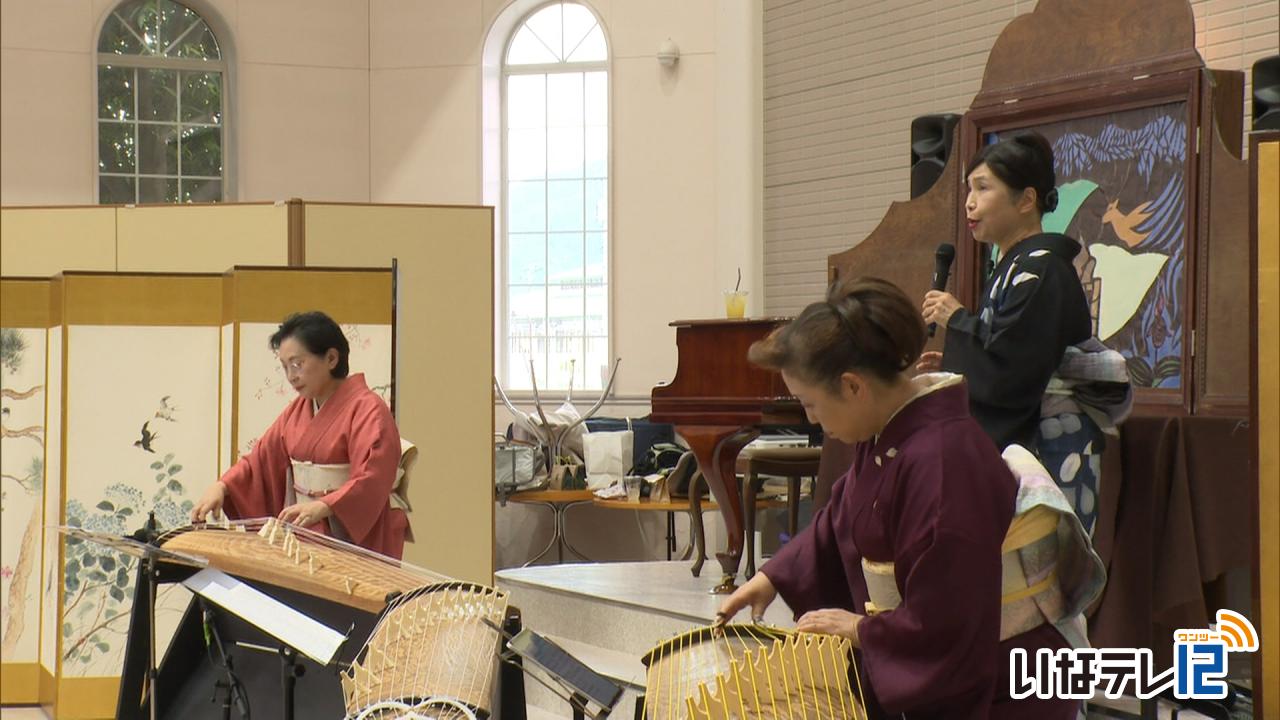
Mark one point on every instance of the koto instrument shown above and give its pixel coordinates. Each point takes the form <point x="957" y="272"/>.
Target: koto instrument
<point x="750" y="671"/>
<point x="433" y="648"/>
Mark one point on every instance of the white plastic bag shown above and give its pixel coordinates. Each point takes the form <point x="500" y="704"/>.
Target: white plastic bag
<point x="607" y="456"/>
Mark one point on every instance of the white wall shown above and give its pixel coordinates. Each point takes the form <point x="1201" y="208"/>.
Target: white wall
<point x="380" y="101"/>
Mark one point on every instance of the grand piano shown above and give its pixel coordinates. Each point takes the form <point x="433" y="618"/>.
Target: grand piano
<point x="718" y="403"/>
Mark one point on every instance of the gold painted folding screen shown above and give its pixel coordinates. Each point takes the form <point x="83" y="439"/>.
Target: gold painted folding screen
<point x="143" y="382"/>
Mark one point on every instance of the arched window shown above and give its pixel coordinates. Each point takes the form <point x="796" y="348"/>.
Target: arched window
<point x="555" y="121"/>
<point x="161" y="109"/>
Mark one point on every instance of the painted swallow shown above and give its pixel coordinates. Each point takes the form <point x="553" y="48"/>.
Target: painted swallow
<point x="147" y="436"/>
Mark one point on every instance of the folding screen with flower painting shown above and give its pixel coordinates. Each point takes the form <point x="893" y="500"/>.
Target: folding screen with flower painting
<point x="23" y="341"/>
<point x="139" y="423"/>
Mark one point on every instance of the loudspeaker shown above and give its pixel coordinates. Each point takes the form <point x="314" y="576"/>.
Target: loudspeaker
<point x="1266" y="93"/>
<point x="930" y="148"/>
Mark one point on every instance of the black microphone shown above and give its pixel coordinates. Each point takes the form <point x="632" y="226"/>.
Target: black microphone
<point x="942" y="260"/>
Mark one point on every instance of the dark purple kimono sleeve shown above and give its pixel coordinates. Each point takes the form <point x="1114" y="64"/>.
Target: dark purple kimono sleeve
<point x="807" y="572"/>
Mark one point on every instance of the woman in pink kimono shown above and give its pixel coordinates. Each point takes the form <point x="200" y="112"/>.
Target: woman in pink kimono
<point x="928" y="492"/>
<point x="329" y="461"/>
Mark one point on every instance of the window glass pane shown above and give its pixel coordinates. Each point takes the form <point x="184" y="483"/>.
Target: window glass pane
<point x="201" y="190"/>
<point x="597" y="152"/>
<point x="116" y="190"/>
<point x="564" y="357"/>
<point x="597" y="321"/>
<point x="564" y="310"/>
<point x="526" y="154"/>
<point x="117" y="37"/>
<point x="578" y="22"/>
<point x="597" y="204"/>
<point x="158" y="150"/>
<point x="526" y="206"/>
<point x="565" y="254"/>
<point x="564" y="205"/>
<point x="596" y="98"/>
<point x="526" y="311"/>
<point x="158" y="190"/>
<point x="592" y="48"/>
<point x="199" y="43"/>
<point x="526" y="101"/>
<point x="202" y="97"/>
<point x="202" y="151"/>
<point x="520" y="350"/>
<point x="144" y="18"/>
<point x="597" y="361"/>
<point x="116" y="150"/>
<point x="527" y="49"/>
<point x="158" y="95"/>
<point x="115" y="92"/>
<point x="598" y="309"/>
<point x="546" y="25"/>
<point x="564" y="152"/>
<point x="177" y="23"/>
<point x="526" y="258"/>
<point x="564" y="100"/>
<point x="597" y="258"/>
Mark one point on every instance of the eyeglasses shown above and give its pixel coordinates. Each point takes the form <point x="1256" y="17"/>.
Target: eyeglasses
<point x="293" y="366"/>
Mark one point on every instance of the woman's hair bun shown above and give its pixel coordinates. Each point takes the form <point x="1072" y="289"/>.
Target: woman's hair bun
<point x="1051" y="200"/>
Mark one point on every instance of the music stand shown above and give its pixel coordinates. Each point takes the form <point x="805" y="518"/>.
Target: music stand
<point x="148" y="555"/>
<point x="297" y="632"/>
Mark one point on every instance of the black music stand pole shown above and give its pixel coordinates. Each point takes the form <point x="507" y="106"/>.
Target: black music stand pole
<point x="150" y="573"/>
<point x="290" y="671"/>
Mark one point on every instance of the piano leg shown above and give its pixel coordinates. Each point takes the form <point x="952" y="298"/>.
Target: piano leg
<point x="717" y="448"/>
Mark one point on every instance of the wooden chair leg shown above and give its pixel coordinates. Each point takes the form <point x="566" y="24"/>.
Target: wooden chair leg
<point x="793" y="505"/>
<point x="749" y="519"/>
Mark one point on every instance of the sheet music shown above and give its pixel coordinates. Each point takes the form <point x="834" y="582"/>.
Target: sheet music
<point x="309" y="637"/>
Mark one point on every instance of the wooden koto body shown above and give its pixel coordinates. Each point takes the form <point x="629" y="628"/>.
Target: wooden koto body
<point x="433" y="648"/>
<point x="750" y="671"/>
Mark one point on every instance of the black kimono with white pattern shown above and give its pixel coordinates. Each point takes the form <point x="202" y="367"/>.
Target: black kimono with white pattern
<point x="1032" y="309"/>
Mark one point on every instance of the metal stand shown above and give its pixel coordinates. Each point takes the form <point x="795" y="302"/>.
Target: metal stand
<point x="559" y="538"/>
<point x="290" y="671"/>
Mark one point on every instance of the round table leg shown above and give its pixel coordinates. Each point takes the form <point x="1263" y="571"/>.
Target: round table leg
<point x="555" y="532"/>
<point x="564" y="535"/>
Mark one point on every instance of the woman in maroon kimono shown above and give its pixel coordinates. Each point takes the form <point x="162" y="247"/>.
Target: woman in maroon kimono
<point x="329" y="461"/>
<point x="928" y="492"/>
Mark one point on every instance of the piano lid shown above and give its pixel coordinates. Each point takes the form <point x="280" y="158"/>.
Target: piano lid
<point x="715" y="385"/>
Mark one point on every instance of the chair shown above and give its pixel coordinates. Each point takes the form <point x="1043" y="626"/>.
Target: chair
<point x="793" y="463"/>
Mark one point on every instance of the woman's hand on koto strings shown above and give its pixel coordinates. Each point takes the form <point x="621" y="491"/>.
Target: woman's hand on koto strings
<point x="832" y="621"/>
<point x="757" y="593"/>
<point x="306" y="513"/>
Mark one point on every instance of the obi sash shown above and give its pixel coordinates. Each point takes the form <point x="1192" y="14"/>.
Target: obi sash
<point x="1049" y="571"/>
<point x="315" y="480"/>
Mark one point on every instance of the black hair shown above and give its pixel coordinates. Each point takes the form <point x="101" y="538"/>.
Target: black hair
<point x="866" y="324"/>
<point x="319" y="334"/>
<point x="1022" y="161"/>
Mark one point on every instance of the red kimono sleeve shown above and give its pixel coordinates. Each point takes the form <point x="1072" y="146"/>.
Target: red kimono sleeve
<point x="256" y="483"/>
<point x="938" y="653"/>
<point x="373" y="448"/>
<point x="808" y="572"/>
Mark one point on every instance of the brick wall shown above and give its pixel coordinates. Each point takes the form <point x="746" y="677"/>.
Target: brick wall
<point x="844" y="78"/>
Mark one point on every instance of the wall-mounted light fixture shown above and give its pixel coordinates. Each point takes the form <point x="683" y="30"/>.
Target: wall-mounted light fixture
<point x="668" y="53"/>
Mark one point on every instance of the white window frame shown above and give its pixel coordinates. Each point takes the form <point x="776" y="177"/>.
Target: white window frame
<point x="503" y="211"/>
<point x="224" y="65"/>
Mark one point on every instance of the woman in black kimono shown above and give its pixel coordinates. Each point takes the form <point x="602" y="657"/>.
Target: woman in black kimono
<point x="928" y="492"/>
<point x="1031" y="311"/>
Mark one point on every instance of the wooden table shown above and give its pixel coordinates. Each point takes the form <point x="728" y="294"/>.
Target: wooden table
<point x="559" y="501"/>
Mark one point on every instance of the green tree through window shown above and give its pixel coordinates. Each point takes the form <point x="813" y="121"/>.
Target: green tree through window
<point x="161" y="124"/>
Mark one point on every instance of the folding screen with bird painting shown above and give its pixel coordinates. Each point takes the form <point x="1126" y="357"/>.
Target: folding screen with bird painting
<point x="1122" y="185"/>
